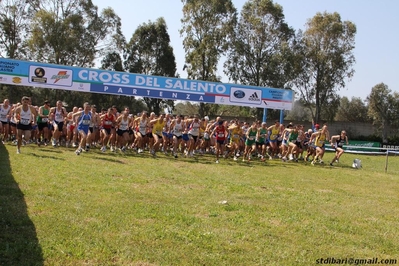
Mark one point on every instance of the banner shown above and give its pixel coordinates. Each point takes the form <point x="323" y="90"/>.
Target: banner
<point x="363" y="144"/>
<point x="391" y="146"/>
<point x="51" y="76"/>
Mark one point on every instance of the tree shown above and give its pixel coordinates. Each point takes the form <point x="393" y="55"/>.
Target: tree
<point x="261" y="43"/>
<point x="383" y="108"/>
<point x="207" y="27"/>
<point x="149" y="52"/>
<point x="72" y="32"/>
<point x="299" y="113"/>
<point x="14" y="21"/>
<point x="186" y="108"/>
<point x="354" y="110"/>
<point x="324" y="60"/>
<point x="262" y="47"/>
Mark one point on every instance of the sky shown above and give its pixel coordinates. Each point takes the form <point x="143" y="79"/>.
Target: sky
<point x="377" y="37"/>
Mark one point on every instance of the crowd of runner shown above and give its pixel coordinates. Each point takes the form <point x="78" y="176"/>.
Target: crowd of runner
<point x="86" y="127"/>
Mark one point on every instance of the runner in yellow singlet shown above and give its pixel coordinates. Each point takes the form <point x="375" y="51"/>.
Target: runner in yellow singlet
<point x="235" y="138"/>
<point x="274" y="133"/>
<point x="321" y="137"/>
<point x="158" y="124"/>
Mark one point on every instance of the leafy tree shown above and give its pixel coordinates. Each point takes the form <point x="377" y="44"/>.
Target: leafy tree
<point x="330" y="108"/>
<point x="262" y="47"/>
<point x="299" y="113"/>
<point x="207" y="27"/>
<point x="186" y="108"/>
<point x="324" y="60"/>
<point x="149" y="52"/>
<point x="354" y="110"/>
<point x="383" y="108"/>
<point x="14" y="21"/>
<point x="71" y="32"/>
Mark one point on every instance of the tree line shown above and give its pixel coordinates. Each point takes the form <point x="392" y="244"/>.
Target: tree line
<point x="258" y="45"/>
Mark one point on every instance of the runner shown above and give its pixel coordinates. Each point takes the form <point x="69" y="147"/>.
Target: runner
<point x="261" y="140"/>
<point x="140" y="124"/>
<point x="250" y="142"/>
<point x="123" y="123"/>
<point x="58" y="115"/>
<point x="320" y="138"/>
<point x="193" y="134"/>
<point x="112" y="137"/>
<point x="83" y="118"/>
<point x="158" y="124"/>
<point x="13" y="123"/>
<point x="177" y="126"/>
<point x="43" y="123"/>
<point x="5" y="111"/>
<point x="93" y="128"/>
<point x="337" y="142"/>
<point x="274" y="133"/>
<point x="25" y="115"/>
<point x="167" y="137"/>
<point x="107" y="123"/>
<point x="235" y="139"/>
<point x="72" y="133"/>
<point x="220" y="133"/>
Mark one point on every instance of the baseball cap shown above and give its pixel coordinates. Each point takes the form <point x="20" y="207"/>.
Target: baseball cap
<point x="317" y="126"/>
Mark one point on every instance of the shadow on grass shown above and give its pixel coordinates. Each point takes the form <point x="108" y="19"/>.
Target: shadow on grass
<point x="211" y="159"/>
<point x="53" y="150"/>
<point x="45" y="156"/>
<point x="108" y="159"/>
<point x="18" y="240"/>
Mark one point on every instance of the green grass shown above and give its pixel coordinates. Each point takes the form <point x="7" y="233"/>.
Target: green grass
<point x="57" y="208"/>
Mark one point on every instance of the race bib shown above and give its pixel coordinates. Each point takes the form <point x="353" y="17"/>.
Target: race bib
<point x="24" y="121"/>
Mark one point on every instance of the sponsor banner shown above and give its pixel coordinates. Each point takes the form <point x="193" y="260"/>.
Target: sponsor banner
<point x="36" y="74"/>
<point x="248" y="96"/>
<point x="390" y="146"/>
<point x="51" y="76"/>
<point x="363" y="145"/>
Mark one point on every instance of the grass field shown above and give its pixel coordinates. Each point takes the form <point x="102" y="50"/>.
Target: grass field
<point x="57" y="208"/>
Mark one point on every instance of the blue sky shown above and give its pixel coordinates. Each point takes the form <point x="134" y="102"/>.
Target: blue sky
<point x="377" y="38"/>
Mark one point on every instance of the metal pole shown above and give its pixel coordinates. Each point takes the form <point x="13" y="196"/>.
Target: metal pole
<point x="386" y="162"/>
<point x="264" y="114"/>
<point x="281" y="116"/>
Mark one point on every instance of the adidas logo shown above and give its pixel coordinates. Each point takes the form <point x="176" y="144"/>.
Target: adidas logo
<point x="254" y="97"/>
